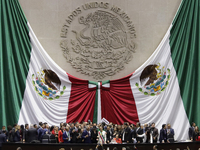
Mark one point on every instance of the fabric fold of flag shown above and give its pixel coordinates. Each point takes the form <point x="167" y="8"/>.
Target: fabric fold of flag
<point x="117" y="102"/>
<point x="15" y="51"/>
<point x="160" y="101"/>
<point x="185" y="46"/>
<point x="162" y="90"/>
<point x="81" y="102"/>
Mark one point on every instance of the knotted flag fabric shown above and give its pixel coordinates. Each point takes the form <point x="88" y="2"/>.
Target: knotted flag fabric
<point x="163" y="90"/>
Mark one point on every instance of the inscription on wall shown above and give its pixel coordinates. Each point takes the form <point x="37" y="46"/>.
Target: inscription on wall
<point x="98" y="39"/>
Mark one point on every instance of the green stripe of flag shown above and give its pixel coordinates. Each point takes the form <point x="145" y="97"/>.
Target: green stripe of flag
<point x="185" y="49"/>
<point x="95" y="116"/>
<point x="96" y="102"/>
<point x="15" y="51"/>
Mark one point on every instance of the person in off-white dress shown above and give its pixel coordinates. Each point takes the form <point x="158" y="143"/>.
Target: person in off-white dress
<point x="101" y="136"/>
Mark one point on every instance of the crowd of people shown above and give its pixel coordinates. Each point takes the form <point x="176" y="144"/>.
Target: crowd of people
<point x="88" y="132"/>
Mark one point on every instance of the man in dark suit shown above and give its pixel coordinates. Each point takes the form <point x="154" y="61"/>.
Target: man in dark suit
<point x="3" y="130"/>
<point x="66" y="136"/>
<point x="192" y="132"/>
<point x="133" y="134"/>
<point x="126" y="134"/>
<point x="25" y="133"/>
<point x="94" y="134"/>
<point x="154" y="132"/>
<point x="46" y="129"/>
<point x="108" y="134"/>
<point x="86" y="135"/>
<point x="31" y="134"/>
<point x="73" y="134"/>
<point x="170" y="133"/>
<point x="40" y="131"/>
<point x="139" y="131"/>
<point x="163" y="134"/>
<point x="147" y="132"/>
<point x="13" y="133"/>
<point x="2" y="138"/>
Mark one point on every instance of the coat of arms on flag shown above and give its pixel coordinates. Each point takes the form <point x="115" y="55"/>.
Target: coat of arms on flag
<point x="153" y="79"/>
<point x="47" y="84"/>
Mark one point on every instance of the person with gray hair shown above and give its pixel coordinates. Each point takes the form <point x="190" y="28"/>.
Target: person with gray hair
<point x="31" y="134"/>
<point x="87" y="135"/>
<point x="31" y="126"/>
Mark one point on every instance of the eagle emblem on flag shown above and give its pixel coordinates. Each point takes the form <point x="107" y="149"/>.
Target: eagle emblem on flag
<point x="153" y="79"/>
<point x="47" y="84"/>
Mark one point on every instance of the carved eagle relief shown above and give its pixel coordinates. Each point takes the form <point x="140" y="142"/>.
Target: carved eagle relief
<point x="106" y="32"/>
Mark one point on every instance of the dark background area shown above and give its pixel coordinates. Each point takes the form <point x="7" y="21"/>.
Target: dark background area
<point x="171" y="146"/>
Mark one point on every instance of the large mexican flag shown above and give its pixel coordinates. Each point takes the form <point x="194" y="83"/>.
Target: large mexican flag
<point x="163" y="90"/>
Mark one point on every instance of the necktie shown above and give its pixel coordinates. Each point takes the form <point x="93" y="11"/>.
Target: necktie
<point x="68" y="136"/>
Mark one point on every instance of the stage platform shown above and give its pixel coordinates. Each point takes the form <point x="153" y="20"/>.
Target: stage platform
<point x="40" y="146"/>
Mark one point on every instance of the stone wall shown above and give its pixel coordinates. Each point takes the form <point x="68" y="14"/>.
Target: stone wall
<point x="100" y="40"/>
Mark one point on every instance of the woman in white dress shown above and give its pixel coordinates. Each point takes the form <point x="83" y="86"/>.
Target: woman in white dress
<point x="101" y="136"/>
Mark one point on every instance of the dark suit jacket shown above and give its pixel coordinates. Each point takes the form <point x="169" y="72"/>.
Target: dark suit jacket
<point x="94" y="136"/>
<point x="127" y="136"/>
<point x="73" y="136"/>
<point x="120" y="134"/>
<point x="10" y="139"/>
<point x="86" y="139"/>
<point x="171" y="132"/>
<point x="1" y="131"/>
<point x="170" y="135"/>
<point x="133" y="135"/>
<point x="108" y="136"/>
<point x="31" y="134"/>
<point x="2" y="139"/>
<point x="147" y="131"/>
<point x="163" y="135"/>
<point x="25" y="135"/>
<point x="65" y="136"/>
<point x="16" y="137"/>
<point x="139" y="131"/>
<point x="4" y="132"/>
<point x="79" y="140"/>
<point x="22" y="132"/>
<point x="40" y="132"/>
<point x="191" y="133"/>
<point x="45" y="131"/>
<point x="12" y="135"/>
<point x="154" y="132"/>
